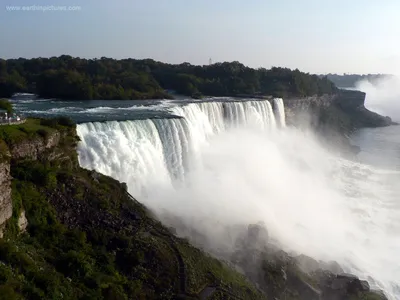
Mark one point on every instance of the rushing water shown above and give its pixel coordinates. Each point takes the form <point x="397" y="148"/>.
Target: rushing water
<point x="219" y="163"/>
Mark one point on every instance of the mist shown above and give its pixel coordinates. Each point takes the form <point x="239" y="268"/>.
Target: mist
<point x="311" y="200"/>
<point x="383" y="96"/>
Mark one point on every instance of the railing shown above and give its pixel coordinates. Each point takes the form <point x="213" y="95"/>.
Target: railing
<point x="12" y="121"/>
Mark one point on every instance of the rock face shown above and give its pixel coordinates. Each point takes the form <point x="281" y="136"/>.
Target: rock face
<point x="43" y="149"/>
<point x="282" y="276"/>
<point x="347" y="286"/>
<point x="334" y="117"/>
<point x="33" y="149"/>
<point x="345" y="111"/>
<point x="22" y="222"/>
<point x="5" y="195"/>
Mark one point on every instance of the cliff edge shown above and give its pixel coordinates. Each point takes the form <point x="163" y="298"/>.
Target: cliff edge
<point x="334" y="117"/>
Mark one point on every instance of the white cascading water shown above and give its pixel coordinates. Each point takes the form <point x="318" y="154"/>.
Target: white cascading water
<point x="224" y="164"/>
<point x="280" y="111"/>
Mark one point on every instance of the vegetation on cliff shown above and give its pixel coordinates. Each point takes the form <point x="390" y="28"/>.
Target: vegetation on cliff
<point x="66" y="77"/>
<point x="6" y="105"/>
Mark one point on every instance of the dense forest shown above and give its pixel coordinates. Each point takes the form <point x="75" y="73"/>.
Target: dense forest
<point x="66" y="77"/>
<point x="350" y="80"/>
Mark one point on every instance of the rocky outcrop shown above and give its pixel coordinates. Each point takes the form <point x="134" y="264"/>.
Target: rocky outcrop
<point x="344" y="110"/>
<point x="33" y="149"/>
<point x="6" y="207"/>
<point x="334" y="117"/>
<point x="26" y="149"/>
<point x="282" y="276"/>
<point x="58" y="148"/>
<point x="22" y="222"/>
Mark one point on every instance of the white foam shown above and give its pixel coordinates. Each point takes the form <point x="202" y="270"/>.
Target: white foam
<point x="224" y="164"/>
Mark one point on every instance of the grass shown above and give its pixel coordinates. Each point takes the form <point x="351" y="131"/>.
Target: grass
<point x="33" y="128"/>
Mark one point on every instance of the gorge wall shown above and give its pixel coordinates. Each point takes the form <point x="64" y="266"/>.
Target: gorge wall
<point x="343" y="111"/>
<point x="52" y="148"/>
<point x="5" y="195"/>
<point x="334" y="117"/>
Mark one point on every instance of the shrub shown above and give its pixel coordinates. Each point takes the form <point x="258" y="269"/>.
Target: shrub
<point x="59" y="121"/>
<point x="75" y="263"/>
<point x="43" y="133"/>
<point x="6" y="105"/>
<point x="65" y="121"/>
<point x="48" y="122"/>
<point x="7" y="292"/>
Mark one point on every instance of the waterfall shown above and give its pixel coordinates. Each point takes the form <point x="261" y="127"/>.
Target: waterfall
<point x="159" y="152"/>
<point x="280" y="111"/>
<point x="216" y="165"/>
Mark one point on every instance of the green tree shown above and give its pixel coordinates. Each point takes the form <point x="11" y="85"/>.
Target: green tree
<point x="6" y="105"/>
<point x="66" y="77"/>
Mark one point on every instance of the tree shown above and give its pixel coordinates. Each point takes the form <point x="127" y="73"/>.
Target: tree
<point x="6" y="105"/>
<point x="74" y="78"/>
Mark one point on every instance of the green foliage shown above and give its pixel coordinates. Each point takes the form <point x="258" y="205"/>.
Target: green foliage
<point x="43" y="133"/>
<point x="57" y="122"/>
<point x="87" y="239"/>
<point x="66" y="77"/>
<point x="35" y="172"/>
<point x="30" y="129"/>
<point x="6" y="105"/>
<point x="12" y="223"/>
<point x="35" y="128"/>
<point x="210" y="270"/>
<point x="4" y="152"/>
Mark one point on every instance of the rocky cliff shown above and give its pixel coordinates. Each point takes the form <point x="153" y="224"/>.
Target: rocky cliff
<point x="20" y="142"/>
<point x="5" y="195"/>
<point x="345" y="111"/>
<point x="334" y="117"/>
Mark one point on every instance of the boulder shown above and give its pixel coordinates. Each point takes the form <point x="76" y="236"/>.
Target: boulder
<point x="331" y="266"/>
<point x="307" y="264"/>
<point x="310" y="265"/>
<point x="377" y="295"/>
<point x="257" y="235"/>
<point x="347" y="286"/>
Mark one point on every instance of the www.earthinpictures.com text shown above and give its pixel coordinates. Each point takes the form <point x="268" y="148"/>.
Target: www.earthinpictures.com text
<point x="42" y="8"/>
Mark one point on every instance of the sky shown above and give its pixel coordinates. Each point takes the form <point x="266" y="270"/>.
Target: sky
<point x="317" y="36"/>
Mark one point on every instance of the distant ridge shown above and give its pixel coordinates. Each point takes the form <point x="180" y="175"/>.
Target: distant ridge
<point x="350" y="80"/>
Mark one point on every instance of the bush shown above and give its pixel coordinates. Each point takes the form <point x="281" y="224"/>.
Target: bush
<point x="65" y="121"/>
<point x="48" y="122"/>
<point x="23" y="129"/>
<point x="8" y="293"/>
<point x="75" y="263"/>
<point x="59" y="121"/>
<point x="6" y="105"/>
<point x="43" y="133"/>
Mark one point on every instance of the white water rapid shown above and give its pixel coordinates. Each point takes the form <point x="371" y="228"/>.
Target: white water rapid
<point x="223" y="164"/>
